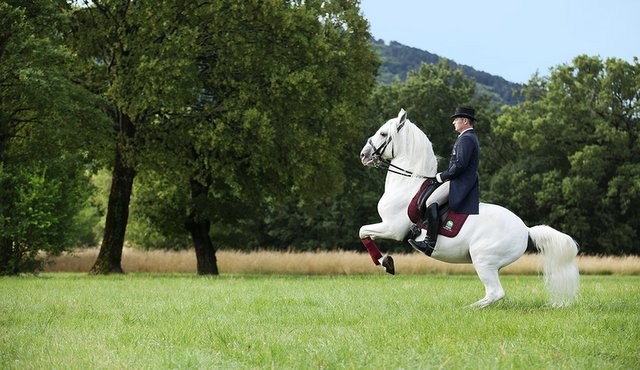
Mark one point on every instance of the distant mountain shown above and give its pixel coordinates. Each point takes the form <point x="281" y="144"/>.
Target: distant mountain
<point x="398" y="59"/>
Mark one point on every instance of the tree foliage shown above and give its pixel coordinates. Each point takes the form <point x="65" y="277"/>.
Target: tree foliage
<point x="575" y="163"/>
<point x="138" y="56"/>
<point x="284" y="85"/>
<point x="45" y="145"/>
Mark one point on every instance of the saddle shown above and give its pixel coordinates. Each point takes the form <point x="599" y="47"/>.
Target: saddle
<point x="450" y="221"/>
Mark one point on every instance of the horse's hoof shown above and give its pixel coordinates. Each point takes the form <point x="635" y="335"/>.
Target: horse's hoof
<point x="387" y="263"/>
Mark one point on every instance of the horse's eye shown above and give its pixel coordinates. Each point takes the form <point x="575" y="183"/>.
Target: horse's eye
<point x="383" y="134"/>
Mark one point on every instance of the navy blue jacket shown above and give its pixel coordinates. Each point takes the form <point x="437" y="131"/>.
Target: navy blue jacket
<point x="464" y="192"/>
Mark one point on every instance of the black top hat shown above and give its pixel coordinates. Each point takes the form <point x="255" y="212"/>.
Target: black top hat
<point x="465" y="112"/>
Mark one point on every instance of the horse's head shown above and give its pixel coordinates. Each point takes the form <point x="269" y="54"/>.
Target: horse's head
<point x="401" y="141"/>
<point x="380" y="145"/>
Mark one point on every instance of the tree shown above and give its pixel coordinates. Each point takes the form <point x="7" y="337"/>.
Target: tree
<point x="45" y="123"/>
<point x="137" y="56"/>
<point x="577" y="161"/>
<point x="284" y="85"/>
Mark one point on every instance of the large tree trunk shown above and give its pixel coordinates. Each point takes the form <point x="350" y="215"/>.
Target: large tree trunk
<point x="199" y="226"/>
<point x="110" y="256"/>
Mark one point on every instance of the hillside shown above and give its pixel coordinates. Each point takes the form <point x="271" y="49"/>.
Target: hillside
<point x="398" y="59"/>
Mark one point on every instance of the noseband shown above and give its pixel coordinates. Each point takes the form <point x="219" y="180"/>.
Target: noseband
<point x="380" y="150"/>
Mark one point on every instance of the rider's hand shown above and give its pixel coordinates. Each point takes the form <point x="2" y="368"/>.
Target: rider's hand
<point x="439" y="178"/>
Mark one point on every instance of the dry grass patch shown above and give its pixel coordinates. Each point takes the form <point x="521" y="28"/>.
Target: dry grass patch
<point x="320" y="263"/>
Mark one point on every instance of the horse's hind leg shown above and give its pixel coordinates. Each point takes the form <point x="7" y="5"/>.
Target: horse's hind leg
<point x="493" y="289"/>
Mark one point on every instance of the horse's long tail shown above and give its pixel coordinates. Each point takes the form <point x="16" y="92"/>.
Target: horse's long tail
<point x="560" y="269"/>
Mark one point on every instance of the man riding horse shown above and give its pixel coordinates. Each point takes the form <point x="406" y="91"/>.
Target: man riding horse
<point x="458" y="184"/>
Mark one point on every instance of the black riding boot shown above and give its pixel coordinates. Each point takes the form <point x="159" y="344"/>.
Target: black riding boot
<point x="433" y="224"/>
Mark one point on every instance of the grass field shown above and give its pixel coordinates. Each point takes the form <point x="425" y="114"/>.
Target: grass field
<point x="162" y="321"/>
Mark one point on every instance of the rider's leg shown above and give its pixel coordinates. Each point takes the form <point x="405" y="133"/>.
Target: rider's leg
<point x="439" y="196"/>
<point x="433" y="224"/>
<point x="427" y="245"/>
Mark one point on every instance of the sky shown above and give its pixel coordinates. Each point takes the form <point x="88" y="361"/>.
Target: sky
<point x="510" y="38"/>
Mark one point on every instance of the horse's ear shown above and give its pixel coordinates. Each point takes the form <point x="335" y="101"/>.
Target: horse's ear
<point x="402" y="117"/>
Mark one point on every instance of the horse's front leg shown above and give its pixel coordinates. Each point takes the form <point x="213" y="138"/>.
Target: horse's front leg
<point x="382" y="230"/>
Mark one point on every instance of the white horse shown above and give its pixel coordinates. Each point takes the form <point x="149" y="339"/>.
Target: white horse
<point x="490" y="240"/>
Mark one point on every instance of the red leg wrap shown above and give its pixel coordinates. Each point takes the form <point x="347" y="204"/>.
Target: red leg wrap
<point x="372" y="248"/>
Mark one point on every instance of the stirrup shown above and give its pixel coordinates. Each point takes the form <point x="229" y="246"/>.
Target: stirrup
<point x="414" y="231"/>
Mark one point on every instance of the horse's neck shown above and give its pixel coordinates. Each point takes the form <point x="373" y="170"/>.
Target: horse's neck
<point x="421" y="162"/>
<point x="395" y="182"/>
<point x="402" y="184"/>
<point x="418" y="158"/>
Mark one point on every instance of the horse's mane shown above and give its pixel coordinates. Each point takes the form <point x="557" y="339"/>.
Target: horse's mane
<point x="414" y="145"/>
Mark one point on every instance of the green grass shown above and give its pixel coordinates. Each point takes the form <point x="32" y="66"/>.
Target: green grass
<point x="76" y="321"/>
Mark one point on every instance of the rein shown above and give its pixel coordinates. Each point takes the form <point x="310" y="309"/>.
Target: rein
<point x="379" y="150"/>
<point x="387" y="165"/>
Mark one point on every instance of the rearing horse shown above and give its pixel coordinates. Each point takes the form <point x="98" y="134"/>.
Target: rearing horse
<point x="490" y="240"/>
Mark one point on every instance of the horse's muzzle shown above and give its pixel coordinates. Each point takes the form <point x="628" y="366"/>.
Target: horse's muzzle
<point x="366" y="157"/>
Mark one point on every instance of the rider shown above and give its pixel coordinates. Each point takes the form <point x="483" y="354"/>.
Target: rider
<point x="459" y="183"/>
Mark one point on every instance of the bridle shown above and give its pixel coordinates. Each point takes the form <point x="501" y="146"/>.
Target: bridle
<point x="385" y="163"/>
<point x="380" y="150"/>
